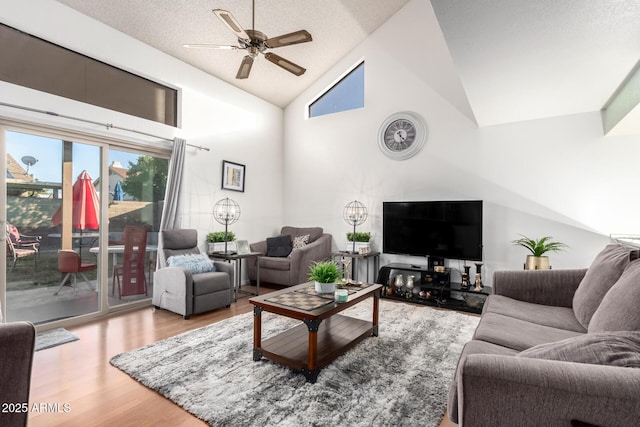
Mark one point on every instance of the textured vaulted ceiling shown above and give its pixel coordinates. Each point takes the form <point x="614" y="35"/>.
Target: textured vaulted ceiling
<point x="516" y="59"/>
<point x="337" y="26"/>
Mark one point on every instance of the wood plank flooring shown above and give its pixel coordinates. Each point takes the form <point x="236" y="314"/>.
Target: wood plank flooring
<point x="75" y="385"/>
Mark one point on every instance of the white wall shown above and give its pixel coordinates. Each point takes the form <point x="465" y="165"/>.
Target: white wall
<point x="558" y="177"/>
<point x="235" y="126"/>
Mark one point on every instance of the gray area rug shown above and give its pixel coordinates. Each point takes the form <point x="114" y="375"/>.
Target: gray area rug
<point x="399" y="378"/>
<point x="53" y="337"/>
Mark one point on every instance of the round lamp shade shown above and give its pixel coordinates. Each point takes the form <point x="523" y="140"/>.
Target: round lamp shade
<point x="226" y="211"/>
<point x="355" y="213"/>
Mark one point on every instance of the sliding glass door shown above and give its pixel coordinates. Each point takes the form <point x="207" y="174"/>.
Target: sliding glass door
<point x="52" y="223"/>
<point x="69" y="205"/>
<point x="136" y="192"/>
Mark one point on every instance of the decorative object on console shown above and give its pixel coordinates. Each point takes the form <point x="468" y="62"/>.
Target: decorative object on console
<point x="346" y="262"/>
<point x="538" y="247"/>
<point x="324" y="274"/>
<point x="226" y="212"/>
<point x="478" y="283"/>
<point x="465" y="277"/>
<point x="355" y="213"/>
<point x="410" y="285"/>
<point x="232" y="176"/>
<point x="402" y="135"/>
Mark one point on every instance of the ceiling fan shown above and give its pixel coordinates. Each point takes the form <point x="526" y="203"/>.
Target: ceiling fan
<point x="256" y="42"/>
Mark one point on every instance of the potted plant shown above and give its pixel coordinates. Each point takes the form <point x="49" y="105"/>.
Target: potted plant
<point x="538" y="247"/>
<point x="324" y="274"/>
<point x="358" y="242"/>
<point x="216" y="240"/>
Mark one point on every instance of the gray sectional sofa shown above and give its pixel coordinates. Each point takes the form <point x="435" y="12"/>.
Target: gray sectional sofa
<point x="555" y="348"/>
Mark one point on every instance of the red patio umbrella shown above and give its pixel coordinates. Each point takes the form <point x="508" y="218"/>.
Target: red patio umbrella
<point x="86" y="209"/>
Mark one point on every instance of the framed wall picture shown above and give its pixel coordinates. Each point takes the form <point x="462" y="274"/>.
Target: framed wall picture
<point x="232" y="176"/>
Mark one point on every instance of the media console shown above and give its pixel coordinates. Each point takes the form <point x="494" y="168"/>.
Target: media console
<point x="429" y="287"/>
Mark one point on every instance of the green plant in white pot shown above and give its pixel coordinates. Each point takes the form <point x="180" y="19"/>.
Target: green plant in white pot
<point x="216" y="241"/>
<point x="324" y="274"/>
<point x="538" y="247"/>
<point x="359" y="242"/>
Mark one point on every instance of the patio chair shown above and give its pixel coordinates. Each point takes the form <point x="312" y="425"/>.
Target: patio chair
<point x="16" y="252"/>
<point x="130" y="275"/>
<point x="20" y="239"/>
<point x="69" y="262"/>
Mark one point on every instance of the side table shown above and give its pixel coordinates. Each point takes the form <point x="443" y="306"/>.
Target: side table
<point x="237" y="260"/>
<point x="357" y="256"/>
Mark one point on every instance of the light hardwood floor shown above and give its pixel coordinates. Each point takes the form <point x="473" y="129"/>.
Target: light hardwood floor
<point x="77" y="376"/>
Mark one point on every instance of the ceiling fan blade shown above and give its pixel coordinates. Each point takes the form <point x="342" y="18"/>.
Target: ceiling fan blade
<point x="210" y="46"/>
<point x="231" y="22"/>
<point x="296" y="37"/>
<point x="285" y="63"/>
<point x="245" y="67"/>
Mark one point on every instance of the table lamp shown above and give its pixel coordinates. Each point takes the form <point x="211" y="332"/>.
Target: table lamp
<point x="355" y="213"/>
<point x="226" y="211"/>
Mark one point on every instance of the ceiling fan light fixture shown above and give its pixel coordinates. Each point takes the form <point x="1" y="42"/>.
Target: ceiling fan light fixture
<point x="256" y="42"/>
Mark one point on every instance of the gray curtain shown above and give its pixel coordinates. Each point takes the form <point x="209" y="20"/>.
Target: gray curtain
<point x="171" y="208"/>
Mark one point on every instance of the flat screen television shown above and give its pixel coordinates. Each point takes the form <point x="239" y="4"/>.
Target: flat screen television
<point x="446" y="229"/>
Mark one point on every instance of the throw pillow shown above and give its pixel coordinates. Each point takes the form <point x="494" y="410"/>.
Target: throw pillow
<point x="300" y="241"/>
<point x="618" y="310"/>
<point x="279" y="246"/>
<point x="603" y="272"/>
<point x="604" y="348"/>
<point x="196" y="263"/>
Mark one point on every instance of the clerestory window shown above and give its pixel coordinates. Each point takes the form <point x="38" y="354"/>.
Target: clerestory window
<point x="346" y="94"/>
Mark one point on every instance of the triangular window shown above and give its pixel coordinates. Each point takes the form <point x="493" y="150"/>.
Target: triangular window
<point x="346" y="94"/>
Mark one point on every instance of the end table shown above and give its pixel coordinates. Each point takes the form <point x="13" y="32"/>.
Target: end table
<point x="237" y="260"/>
<point x="358" y="256"/>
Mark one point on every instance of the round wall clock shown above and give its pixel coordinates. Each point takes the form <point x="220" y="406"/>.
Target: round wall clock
<point x="402" y="135"/>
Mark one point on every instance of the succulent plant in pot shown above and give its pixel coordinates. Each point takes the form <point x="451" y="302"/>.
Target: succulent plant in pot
<point x="324" y="274"/>
<point x="219" y="240"/>
<point x="538" y="247"/>
<point x="358" y="242"/>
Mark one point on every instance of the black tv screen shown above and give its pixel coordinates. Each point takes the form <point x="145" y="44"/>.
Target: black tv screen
<point x="447" y="229"/>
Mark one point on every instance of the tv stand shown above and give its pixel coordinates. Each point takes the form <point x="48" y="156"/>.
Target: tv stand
<point x="430" y="287"/>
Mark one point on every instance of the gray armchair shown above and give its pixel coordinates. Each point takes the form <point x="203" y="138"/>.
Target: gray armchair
<point x="179" y="290"/>
<point x="17" y="341"/>
<point x="292" y="269"/>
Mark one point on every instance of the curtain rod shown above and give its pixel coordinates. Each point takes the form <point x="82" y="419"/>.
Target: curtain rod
<point x="106" y="125"/>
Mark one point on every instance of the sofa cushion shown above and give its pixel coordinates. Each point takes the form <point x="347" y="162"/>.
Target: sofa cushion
<point x="556" y="317"/>
<point x="602" y="348"/>
<point x="196" y="263"/>
<point x="313" y="232"/>
<point x="207" y="283"/>
<point x="620" y="307"/>
<point x="275" y="263"/>
<point x="603" y="272"/>
<point x="279" y="246"/>
<point x="517" y="334"/>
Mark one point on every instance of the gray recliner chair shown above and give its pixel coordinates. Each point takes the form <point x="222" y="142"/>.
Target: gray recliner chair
<point x="177" y="289"/>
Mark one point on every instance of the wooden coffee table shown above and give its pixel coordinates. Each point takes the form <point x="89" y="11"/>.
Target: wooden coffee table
<point x="323" y="334"/>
